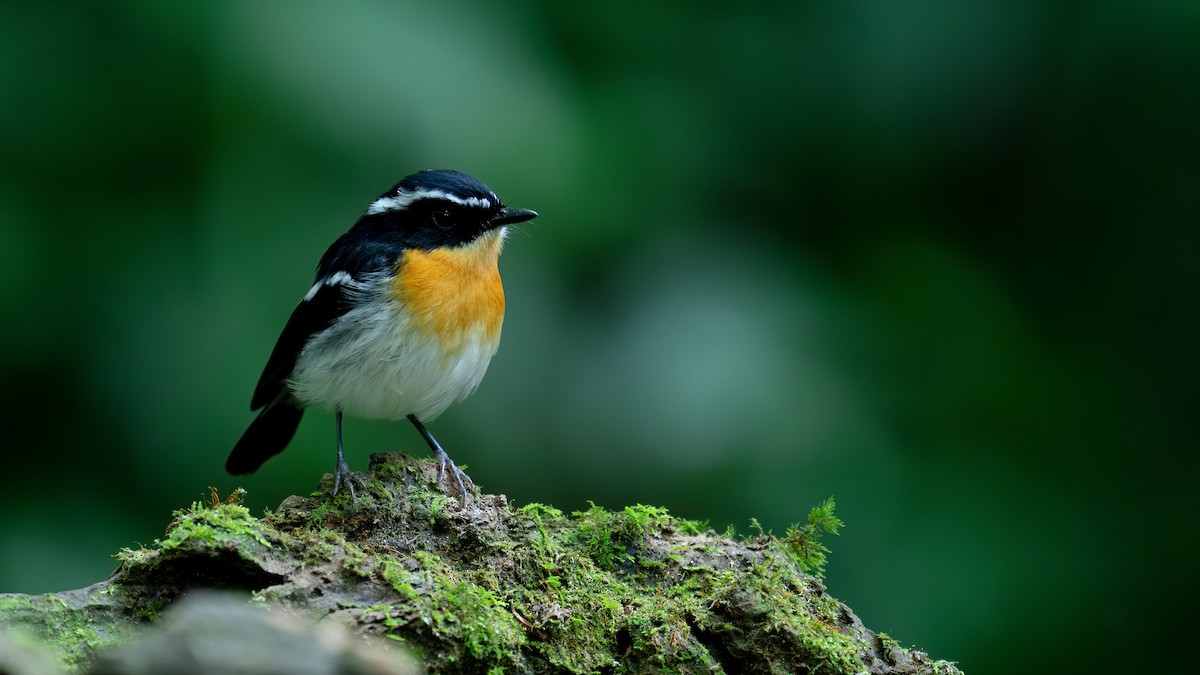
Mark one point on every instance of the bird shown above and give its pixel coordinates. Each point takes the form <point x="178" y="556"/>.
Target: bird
<point x="401" y="322"/>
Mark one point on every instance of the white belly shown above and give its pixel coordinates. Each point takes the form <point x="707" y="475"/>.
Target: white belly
<point x="373" y="364"/>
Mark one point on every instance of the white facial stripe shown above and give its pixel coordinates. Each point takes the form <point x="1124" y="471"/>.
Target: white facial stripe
<point x="331" y="280"/>
<point x="338" y="278"/>
<point x="402" y="198"/>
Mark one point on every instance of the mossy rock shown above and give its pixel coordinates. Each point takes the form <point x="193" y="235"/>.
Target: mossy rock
<point x="488" y="587"/>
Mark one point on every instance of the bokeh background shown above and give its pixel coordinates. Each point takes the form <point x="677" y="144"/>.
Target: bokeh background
<point x="936" y="259"/>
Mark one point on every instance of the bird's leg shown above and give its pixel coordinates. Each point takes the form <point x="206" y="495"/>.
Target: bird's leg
<point x="443" y="459"/>
<point x="341" y="471"/>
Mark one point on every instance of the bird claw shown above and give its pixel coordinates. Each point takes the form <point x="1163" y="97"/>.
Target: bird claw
<point x="342" y="473"/>
<point x="444" y="461"/>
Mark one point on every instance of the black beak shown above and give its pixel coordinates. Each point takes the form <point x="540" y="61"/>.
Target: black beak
<point x="508" y="216"/>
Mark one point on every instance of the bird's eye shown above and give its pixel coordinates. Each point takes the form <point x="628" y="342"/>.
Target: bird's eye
<point x="443" y="219"/>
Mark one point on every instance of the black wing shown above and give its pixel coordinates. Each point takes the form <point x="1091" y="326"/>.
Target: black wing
<point x="352" y="257"/>
<point x="274" y="427"/>
<point x="367" y="248"/>
<point x="315" y="313"/>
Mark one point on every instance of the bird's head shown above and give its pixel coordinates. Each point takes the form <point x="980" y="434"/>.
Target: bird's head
<point x="442" y="208"/>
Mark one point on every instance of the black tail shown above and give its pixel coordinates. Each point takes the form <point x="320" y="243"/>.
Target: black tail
<point x="267" y="436"/>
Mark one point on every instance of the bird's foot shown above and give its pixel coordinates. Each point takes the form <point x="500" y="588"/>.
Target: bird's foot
<point x="445" y="461"/>
<point x="343" y="474"/>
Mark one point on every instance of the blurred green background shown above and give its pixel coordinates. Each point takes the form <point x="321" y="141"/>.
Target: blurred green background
<point x="937" y="259"/>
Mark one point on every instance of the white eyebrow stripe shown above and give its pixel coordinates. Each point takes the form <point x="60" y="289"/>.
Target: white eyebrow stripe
<point x="402" y="198"/>
<point x="331" y="280"/>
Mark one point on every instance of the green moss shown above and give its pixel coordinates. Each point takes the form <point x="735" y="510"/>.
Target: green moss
<point x="150" y="611"/>
<point x="356" y="561"/>
<point x="214" y="526"/>
<point x="437" y="507"/>
<point x="320" y="515"/>
<point x="600" y="535"/>
<point x="74" y="630"/>
<point x="944" y="668"/>
<point x="644" y="518"/>
<point x="70" y="632"/>
<point x="693" y="527"/>
<point x="802" y="543"/>
<point x="614" y="539"/>
<point x="594" y="570"/>
<point x="887" y="643"/>
<point x="138" y="556"/>
<point x="545" y="519"/>
<point x="468" y="610"/>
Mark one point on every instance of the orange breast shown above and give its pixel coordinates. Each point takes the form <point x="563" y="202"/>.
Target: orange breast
<point x="454" y="294"/>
